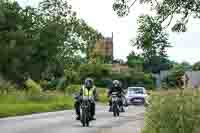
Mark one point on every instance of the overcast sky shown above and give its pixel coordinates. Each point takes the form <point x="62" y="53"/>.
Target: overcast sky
<point x="99" y="15"/>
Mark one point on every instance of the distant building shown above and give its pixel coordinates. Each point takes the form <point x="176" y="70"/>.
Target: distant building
<point x="120" y="68"/>
<point x="104" y="48"/>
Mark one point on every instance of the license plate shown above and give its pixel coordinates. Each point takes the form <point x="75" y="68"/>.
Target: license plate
<point x="137" y="100"/>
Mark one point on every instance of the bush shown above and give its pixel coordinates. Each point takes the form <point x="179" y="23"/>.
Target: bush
<point x="48" y="85"/>
<point x="71" y="89"/>
<point x="149" y="82"/>
<point x="61" y="83"/>
<point x="135" y="79"/>
<point x="196" y="66"/>
<point x="174" y="79"/>
<point x="102" y="95"/>
<point x="72" y="77"/>
<point x="105" y="83"/>
<point x="6" y="87"/>
<point x="32" y="87"/>
<point x="96" y="71"/>
<point x="173" y="112"/>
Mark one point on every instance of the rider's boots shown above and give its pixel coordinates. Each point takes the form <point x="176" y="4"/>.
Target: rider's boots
<point x="78" y="118"/>
<point x="110" y="109"/>
<point x="93" y="118"/>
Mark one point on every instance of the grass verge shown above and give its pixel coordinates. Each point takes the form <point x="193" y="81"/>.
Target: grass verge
<point x="21" y="103"/>
<point x="173" y="112"/>
<point x="13" y="105"/>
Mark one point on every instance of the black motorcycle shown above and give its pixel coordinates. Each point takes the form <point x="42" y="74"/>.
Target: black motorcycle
<point x="115" y="104"/>
<point x="85" y="111"/>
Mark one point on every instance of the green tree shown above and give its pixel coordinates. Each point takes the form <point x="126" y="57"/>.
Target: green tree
<point x="98" y="72"/>
<point x="186" y="66"/>
<point x="15" y="39"/>
<point x="167" y="10"/>
<point x="153" y="42"/>
<point x="196" y="66"/>
<point x="135" y="61"/>
<point x="36" y="42"/>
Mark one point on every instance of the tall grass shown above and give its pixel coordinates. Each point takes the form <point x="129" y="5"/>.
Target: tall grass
<point x="173" y="112"/>
<point x="21" y="104"/>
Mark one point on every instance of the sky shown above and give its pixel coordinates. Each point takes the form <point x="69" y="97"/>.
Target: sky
<point x="99" y="15"/>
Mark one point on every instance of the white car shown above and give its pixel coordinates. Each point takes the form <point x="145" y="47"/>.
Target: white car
<point x="136" y="95"/>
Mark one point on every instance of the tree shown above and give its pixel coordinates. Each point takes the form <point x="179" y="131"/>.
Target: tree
<point x="186" y="66"/>
<point x="15" y="39"/>
<point x="135" y="61"/>
<point x="153" y="42"/>
<point x="196" y="66"/>
<point x="98" y="72"/>
<point x="36" y="42"/>
<point x="78" y="35"/>
<point x="166" y="10"/>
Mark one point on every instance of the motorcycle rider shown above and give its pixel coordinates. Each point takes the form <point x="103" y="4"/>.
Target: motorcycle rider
<point x="116" y="87"/>
<point x="87" y="88"/>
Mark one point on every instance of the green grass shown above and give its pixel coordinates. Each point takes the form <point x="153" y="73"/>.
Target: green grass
<point x="20" y="103"/>
<point x="71" y="89"/>
<point x="102" y="95"/>
<point x="15" y="104"/>
<point x="173" y="112"/>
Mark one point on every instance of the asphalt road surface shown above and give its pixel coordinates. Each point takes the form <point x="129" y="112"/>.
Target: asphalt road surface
<point x="64" y="122"/>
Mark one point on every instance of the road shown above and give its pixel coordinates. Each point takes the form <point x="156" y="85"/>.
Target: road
<point x="63" y="122"/>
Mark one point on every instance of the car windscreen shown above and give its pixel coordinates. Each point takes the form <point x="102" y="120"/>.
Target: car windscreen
<point x="135" y="91"/>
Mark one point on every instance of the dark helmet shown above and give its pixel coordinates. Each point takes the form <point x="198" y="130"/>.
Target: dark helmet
<point x="116" y="83"/>
<point x="88" y="83"/>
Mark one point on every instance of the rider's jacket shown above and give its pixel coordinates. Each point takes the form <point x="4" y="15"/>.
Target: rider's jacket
<point x="88" y="92"/>
<point x="115" y="89"/>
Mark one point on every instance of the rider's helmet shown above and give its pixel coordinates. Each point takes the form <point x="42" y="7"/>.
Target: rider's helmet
<point x="88" y="83"/>
<point x="116" y="83"/>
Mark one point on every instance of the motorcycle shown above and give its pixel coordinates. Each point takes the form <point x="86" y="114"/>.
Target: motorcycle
<point x="115" y="104"/>
<point x="85" y="111"/>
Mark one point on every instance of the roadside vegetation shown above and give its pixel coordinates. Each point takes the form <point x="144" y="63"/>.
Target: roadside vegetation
<point x="173" y="112"/>
<point x="46" y="52"/>
<point x="102" y="96"/>
<point x="22" y="104"/>
<point x="33" y="100"/>
<point x="41" y="53"/>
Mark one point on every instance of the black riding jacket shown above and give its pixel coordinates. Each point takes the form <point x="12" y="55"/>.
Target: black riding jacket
<point x="116" y="89"/>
